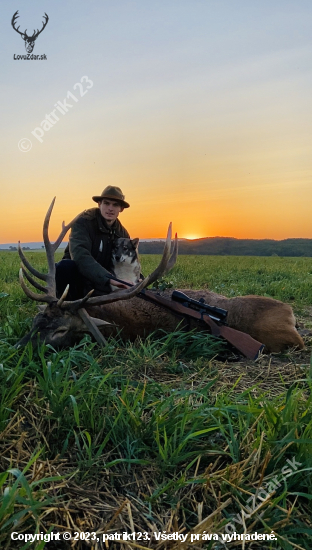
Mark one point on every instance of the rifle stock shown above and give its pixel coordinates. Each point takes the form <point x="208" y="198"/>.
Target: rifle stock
<point x="247" y="345"/>
<point x="244" y="343"/>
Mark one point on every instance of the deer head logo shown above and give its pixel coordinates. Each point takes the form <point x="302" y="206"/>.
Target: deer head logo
<point x="29" y="40"/>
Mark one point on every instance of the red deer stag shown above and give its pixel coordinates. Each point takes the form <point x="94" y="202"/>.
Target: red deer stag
<point x="62" y="323"/>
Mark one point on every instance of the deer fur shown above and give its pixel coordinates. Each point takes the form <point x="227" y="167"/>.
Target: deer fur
<point x="267" y="320"/>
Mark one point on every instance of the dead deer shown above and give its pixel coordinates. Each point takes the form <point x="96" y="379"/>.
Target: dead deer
<point x="61" y="323"/>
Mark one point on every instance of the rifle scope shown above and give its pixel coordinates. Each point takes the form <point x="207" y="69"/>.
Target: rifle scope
<point x="200" y="305"/>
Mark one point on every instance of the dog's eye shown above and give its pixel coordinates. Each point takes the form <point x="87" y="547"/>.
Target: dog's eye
<point x="125" y="248"/>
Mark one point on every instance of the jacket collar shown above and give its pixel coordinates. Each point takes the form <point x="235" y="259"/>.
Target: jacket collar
<point x="103" y="225"/>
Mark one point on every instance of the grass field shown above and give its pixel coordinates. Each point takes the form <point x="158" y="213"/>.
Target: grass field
<point x="159" y="435"/>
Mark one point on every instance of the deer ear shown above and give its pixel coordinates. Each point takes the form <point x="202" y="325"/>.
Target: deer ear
<point x="135" y="242"/>
<point x="41" y="308"/>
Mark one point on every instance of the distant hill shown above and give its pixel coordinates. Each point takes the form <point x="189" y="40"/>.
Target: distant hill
<point x="228" y="246"/>
<point x="224" y="246"/>
<point x="39" y="245"/>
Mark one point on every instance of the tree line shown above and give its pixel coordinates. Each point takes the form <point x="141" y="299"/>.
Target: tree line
<point x="228" y="246"/>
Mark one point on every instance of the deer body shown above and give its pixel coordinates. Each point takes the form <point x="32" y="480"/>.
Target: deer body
<point x="267" y="320"/>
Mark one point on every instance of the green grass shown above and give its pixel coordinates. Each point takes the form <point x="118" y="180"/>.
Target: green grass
<point x="286" y="279"/>
<point x="157" y="432"/>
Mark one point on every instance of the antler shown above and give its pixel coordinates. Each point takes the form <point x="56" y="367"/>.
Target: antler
<point x="173" y="257"/>
<point x="49" y="278"/>
<point x="35" y="34"/>
<point x="128" y="293"/>
<point x="13" y="21"/>
<point x="44" y="25"/>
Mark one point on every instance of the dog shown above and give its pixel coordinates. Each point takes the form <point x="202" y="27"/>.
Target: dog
<point x="125" y="260"/>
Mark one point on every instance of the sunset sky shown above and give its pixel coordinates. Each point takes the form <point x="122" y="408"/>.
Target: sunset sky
<point x="200" y="110"/>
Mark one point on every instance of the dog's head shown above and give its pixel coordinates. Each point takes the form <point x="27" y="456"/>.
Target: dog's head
<point x="125" y="250"/>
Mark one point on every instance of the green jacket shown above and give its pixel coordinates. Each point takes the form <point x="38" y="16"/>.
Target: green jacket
<point x="90" y="246"/>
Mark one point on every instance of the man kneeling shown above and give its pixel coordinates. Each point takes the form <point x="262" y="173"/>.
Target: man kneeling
<point x="87" y="260"/>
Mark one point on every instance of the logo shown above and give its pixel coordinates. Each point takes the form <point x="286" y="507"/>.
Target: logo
<point x="29" y="40"/>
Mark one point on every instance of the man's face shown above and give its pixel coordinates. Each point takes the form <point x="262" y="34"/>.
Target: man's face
<point x="110" y="210"/>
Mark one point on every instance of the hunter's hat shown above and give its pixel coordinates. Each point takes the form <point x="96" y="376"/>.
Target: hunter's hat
<point x="113" y="193"/>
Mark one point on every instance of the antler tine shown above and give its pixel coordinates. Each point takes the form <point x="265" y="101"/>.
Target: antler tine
<point x="162" y="267"/>
<point x="30" y="268"/>
<point x="173" y="257"/>
<point x="86" y="298"/>
<point x="13" y="21"/>
<point x="51" y="248"/>
<point x="75" y="304"/>
<point x="44" y="25"/>
<point x="15" y="16"/>
<point x="38" y="297"/>
<point x="128" y="293"/>
<point x="49" y="251"/>
<point x="61" y="236"/>
<point x="62" y="298"/>
<point x="32" y="281"/>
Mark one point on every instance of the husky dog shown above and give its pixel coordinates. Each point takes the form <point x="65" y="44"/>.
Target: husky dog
<point x="125" y="259"/>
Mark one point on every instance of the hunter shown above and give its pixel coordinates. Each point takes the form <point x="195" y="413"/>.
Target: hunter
<point x="87" y="259"/>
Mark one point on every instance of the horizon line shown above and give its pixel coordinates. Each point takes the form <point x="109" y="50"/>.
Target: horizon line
<point x="160" y="239"/>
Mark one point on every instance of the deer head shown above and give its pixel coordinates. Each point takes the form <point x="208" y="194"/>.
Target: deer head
<point x="61" y="323"/>
<point x="29" y="40"/>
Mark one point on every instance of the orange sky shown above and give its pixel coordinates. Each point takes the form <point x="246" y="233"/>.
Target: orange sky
<point x="197" y="114"/>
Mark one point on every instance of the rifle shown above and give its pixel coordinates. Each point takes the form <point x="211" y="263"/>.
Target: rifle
<point x="181" y="304"/>
<point x="216" y="313"/>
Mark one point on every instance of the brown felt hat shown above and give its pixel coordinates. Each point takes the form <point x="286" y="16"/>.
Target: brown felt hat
<point x="113" y="193"/>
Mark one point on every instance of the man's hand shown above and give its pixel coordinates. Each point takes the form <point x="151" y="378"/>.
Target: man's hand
<point x="119" y="285"/>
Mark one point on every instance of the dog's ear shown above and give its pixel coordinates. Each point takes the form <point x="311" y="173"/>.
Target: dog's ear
<point x="135" y="242"/>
